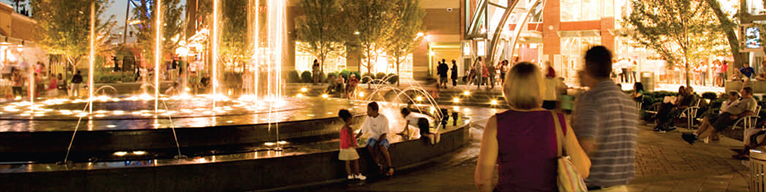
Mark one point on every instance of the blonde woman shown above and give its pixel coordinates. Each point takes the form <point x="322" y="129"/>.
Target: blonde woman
<point x="522" y="140"/>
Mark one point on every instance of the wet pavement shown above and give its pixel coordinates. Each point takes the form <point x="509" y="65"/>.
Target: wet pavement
<point x="664" y="163"/>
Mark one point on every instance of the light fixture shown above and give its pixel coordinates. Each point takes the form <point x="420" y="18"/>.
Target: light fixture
<point x="120" y="153"/>
<point x="419" y="98"/>
<point x="303" y="89"/>
<point x="456" y="100"/>
<point x="493" y="102"/>
<point x="466" y="93"/>
<point x="325" y="96"/>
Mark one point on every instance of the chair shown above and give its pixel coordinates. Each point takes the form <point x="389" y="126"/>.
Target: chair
<point x="653" y="109"/>
<point x="747" y="122"/>
<point x="691" y="114"/>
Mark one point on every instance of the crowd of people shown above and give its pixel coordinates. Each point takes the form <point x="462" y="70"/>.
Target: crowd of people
<point x="599" y="137"/>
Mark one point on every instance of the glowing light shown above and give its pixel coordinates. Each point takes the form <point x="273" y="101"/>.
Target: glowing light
<point x="120" y="153"/>
<point x="303" y="89"/>
<point x="282" y="142"/>
<point x="466" y="93"/>
<point x="419" y="98"/>
<point x="456" y="100"/>
<point x="361" y="94"/>
<point x="299" y="95"/>
<point x="456" y="108"/>
<point x="325" y="96"/>
<point x="420" y="34"/>
<point x="119" y="112"/>
<point x="269" y="144"/>
<point x="111" y="126"/>
<point x="100" y="115"/>
<point x="229" y="121"/>
<point x="493" y="102"/>
<point x="139" y="152"/>
<point x="26" y="114"/>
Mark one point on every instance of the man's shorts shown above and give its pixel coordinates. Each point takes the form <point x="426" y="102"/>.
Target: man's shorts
<point x="722" y="121"/>
<point x="371" y="142"/>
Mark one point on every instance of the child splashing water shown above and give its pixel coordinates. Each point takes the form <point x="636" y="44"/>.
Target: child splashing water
<point x="348" y="146"/>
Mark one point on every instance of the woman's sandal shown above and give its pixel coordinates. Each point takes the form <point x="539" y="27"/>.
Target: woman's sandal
<point x="390" y="171"/>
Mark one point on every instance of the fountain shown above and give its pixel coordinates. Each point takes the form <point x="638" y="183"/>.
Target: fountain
<point x="182" y="138"/>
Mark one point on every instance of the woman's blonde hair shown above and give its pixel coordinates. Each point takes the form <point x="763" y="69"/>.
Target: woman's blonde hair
<point x="524" y="87"/>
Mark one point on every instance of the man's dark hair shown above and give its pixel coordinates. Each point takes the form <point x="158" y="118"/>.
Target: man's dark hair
<point x="373" y="105"/>
<point x="405" y="111"/>
<point x="454" y="62"/>
<point x="598" y="62"/>
<point x="748" y="90"/>
<point x="78" y="71"/>
<point x="344" y="114"/>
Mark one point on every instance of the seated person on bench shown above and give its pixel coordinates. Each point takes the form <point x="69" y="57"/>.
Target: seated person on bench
<point x="728" y="117"/>
<point x="669" y="111"/>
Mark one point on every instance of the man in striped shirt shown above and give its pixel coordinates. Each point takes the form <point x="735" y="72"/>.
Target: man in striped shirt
<point x="605" y="121"/>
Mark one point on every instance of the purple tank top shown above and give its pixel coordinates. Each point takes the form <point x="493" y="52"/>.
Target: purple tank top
<point x="527" y="150"/>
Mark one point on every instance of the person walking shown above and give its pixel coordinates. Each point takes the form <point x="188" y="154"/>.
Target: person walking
<point x="16" y="83"/>
<point x="315" y="71"/>
<point x="503" y="68"/>
<point x="76" y="81"/>
<point x="61" y="86"/>
<point x="606" y="123"/>
<point x="454" y="73"/>
<point x="703" y="73"/>
<point x="348" y="146"/>
<point x="491" y="73"/>
<point x="52" y="89"/>
<point x="523" y="140"/>
<point x="443" y="69"/>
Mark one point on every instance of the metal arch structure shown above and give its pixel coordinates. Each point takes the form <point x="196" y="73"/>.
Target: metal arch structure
<point x="481" y="17"/>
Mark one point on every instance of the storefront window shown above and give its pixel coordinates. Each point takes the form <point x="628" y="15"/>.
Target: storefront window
<point x="583" y="10"/>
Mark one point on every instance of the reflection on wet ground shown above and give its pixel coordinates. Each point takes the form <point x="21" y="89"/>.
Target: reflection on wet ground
<point x="267" y="150"/>
<point x="297" y="110"/>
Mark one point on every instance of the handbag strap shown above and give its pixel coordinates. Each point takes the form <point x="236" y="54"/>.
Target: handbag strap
<point x="559" y="134"/>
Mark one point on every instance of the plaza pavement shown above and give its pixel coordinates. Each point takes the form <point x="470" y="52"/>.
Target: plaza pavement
<point x="664" y="163"/>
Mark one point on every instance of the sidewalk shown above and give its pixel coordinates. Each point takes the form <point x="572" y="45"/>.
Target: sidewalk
<point x="664" y="162"/>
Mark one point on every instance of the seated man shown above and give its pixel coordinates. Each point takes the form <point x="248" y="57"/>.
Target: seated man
<point x="420" y="125"/>
<point x="376" y="125"/>
<point x="670" y="111"/>
<point x="728" y="117"/>
<point x="746" y="72"/>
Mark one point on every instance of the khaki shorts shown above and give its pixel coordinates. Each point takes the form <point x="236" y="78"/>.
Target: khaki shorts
<point x="348" y="154"/>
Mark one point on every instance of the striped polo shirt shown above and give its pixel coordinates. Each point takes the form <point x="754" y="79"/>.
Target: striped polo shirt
<point x="609" y="117"/>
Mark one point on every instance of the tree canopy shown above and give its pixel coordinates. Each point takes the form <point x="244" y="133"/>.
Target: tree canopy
<point x="63" y="27"/>
<point x="318" y="30"/>
<point x="372" y="22"/>
<point x="171" y="29"/>
<point x="408" y="23"/>
<point x="679" y="31"/>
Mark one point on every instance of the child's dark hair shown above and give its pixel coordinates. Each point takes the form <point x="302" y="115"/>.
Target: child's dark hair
<point x="373" y="105"/>
<point x="344" y="114"/>
<point x="405" y="111"/>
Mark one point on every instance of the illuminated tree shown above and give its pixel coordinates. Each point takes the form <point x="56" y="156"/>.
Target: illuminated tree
<point x="63" y="27"/>
<point x="372" y="22"/>
<point x="234" y="46"/>
<point x="171" y="29"/>
<point x="318" y="29"/>
<point x="407" y="27"/>
<point x="679" y="31"/>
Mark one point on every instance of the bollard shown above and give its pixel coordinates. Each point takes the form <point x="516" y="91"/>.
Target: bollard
<point x="454" y="118"/>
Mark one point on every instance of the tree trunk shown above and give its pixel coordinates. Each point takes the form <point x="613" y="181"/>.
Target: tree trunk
<point x="731" y="34"/>
<point x="398" y="76"/>
<point x="369" y="67"/>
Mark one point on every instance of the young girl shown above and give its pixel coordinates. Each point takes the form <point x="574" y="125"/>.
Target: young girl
<point x="348" y="146"/>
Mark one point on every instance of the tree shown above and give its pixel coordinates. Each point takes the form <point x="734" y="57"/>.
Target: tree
<point x="171" y="29"/>
<point x="63" y="27"/>
<point x="407" y="27"/>
<point x="372" y="21"/>
<point x="728" y="25"/>
<point x="234" y="47"/>
<point x="667" y="26"/>
<point x="318" y="29"/>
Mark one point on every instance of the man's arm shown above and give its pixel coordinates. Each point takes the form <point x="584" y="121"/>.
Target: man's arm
<point x="585" y="123"/>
